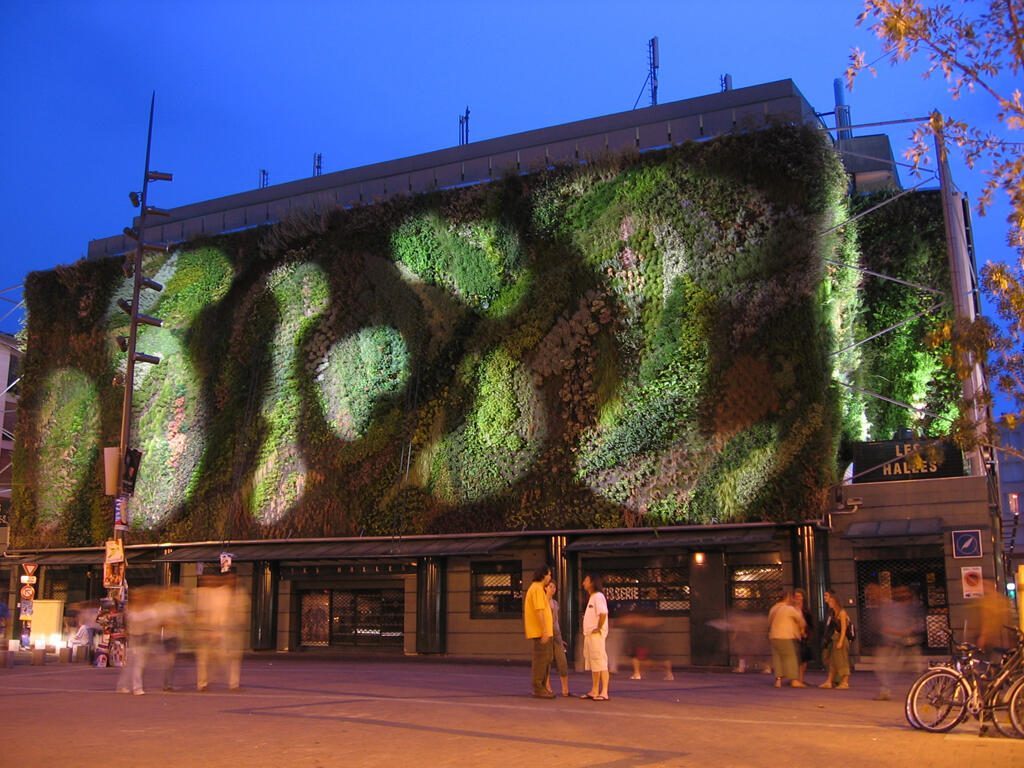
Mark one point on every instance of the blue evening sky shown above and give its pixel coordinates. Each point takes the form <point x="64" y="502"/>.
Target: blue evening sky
<point x="244" y="85"/>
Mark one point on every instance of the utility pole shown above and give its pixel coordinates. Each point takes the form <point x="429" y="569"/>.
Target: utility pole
<point x="964" y="287"/>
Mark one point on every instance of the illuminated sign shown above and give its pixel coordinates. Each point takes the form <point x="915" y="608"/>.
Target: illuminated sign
<point x="899" y="460"/>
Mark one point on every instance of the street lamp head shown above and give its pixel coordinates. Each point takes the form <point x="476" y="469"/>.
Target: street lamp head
<point x="134" y="197"/>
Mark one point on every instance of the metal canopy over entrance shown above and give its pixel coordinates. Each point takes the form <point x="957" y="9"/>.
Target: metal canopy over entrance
<point x="644" y="540"/>
<point x="885" y="529"/>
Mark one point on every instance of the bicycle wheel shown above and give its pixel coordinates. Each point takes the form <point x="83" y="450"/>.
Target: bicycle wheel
<point x="1015" y="706"/>
<point x="938" y="701"/>
<point x="908" y="709"/>
<point x="1000" y="711"/>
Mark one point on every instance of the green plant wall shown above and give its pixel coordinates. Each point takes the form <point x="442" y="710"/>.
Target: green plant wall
<point x="905" y="239"/>
<point x="639" y="340"/>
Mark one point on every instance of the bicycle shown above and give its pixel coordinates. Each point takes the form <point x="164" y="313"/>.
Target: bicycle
<point x="946" y="694"/>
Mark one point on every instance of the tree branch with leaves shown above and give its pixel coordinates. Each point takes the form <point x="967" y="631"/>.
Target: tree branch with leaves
<point x="972" y="46"/>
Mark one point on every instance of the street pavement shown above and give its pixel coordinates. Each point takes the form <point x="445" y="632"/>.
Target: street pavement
<point x="298" y="711"/>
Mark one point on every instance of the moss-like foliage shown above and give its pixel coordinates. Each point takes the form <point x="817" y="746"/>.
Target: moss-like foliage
<point x="905" y="239"/>
<point x="69" y="420"/>
<point x="638" y="340"/>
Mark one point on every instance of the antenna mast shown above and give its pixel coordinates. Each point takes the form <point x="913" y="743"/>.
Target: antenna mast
<point x="464" y="128"/>
<point x="654" y="62"/>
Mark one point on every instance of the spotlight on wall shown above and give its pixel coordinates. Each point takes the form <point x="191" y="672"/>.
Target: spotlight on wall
<point x="134" y="197"/>
<point x="698" y="558"/>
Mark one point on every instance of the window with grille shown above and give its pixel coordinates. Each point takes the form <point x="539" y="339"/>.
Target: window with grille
<point x="496" y="590"/>
<point x="755" y="588"/>
<point x="662" y="590"/>
<point x="56" y="584"/>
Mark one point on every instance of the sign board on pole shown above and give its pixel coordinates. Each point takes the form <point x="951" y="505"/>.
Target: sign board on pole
<point x="971" y="581"/>
<point x="29" y="568"/>
<point x="966" y="544"/>
<point x="114" y="551"/>
<point x="29" y="579"/>
<point x="27" y="592"/>
<point x="121" y="513"/>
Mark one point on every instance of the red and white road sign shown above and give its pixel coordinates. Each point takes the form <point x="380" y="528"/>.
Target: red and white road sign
<point x="28" y="593"/>
<point x="30" y="568"/>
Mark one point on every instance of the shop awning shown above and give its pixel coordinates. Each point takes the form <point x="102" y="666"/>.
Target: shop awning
<point x="884" y="529"/>
<point x="80" y="557"/>
<point x="377" y="549"/>
<point x="670" y="540"/>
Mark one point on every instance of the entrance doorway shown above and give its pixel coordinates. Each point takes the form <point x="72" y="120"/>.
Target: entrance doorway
<point x="925" y="578"/>
<point x="367" y="618"/>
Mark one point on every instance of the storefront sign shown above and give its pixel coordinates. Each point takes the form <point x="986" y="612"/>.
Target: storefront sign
<point x="971" y="580"/>
<point x="898" y="460"/>
<point x="966" y="544"/>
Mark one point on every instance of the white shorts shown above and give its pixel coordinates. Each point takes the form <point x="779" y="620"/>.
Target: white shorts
<point x="595" y="656"/>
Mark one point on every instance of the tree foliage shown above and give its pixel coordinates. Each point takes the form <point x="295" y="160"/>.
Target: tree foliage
<point x="971" y="46"/>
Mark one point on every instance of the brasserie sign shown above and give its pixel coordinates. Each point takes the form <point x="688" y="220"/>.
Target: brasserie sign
<point x="902" y="460"/>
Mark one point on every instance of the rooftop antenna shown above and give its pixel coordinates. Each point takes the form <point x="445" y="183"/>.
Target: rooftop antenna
<point x="264" y="178"/>
<point x="726" y="81"/>
<point x="653" y="62"/>
<point x="464" y="128"/>
<point x="318" y="163"/>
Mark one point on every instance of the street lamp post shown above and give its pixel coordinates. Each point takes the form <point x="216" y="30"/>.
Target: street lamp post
<point x="128" y="457"/>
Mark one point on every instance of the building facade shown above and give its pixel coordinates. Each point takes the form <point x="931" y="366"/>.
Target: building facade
<point x="460" y="594"/>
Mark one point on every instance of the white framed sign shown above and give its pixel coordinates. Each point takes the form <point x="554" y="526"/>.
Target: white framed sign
<point x="971" y="581"/>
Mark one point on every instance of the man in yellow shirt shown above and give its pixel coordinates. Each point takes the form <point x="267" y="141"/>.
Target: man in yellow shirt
<point x="539" y="628"/>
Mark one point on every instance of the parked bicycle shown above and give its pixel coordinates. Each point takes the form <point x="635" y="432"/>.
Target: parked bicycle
<point x="970" y="685"/>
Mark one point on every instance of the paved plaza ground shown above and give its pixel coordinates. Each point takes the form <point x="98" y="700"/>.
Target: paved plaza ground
<point x="298" y="711"/>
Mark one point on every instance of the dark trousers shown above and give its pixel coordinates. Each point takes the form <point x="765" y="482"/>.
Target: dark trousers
<point x="543" y="655"/>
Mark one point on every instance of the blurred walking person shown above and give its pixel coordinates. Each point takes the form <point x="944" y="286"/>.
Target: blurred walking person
<point x="595" y="634"/>
<point x="900" y="621"/>
<point x="221" y="619"/>
<point x="172" y="614"/>
<point x="143" y="632"/>
<point x="557" y="643"/>
<point x="785" y="628"/>
<point x="837" y="644"/>
<point x="539" y="625"/>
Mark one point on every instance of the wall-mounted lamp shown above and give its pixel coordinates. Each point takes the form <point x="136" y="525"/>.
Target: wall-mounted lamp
<point x="698" y="558"/>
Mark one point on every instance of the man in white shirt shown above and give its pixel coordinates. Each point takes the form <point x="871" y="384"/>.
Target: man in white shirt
<point x="595" y="630"/>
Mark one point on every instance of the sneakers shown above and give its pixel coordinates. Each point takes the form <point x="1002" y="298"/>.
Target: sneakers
<point x="543" y="695"/>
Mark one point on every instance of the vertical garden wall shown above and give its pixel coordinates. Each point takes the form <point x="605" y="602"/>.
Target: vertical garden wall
<point x="636" y="341"/>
